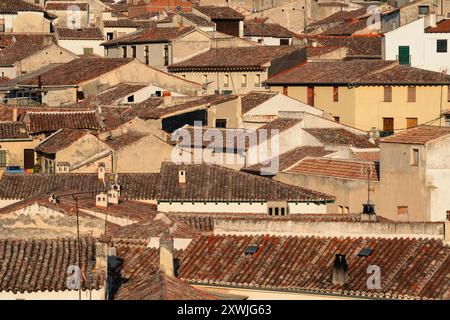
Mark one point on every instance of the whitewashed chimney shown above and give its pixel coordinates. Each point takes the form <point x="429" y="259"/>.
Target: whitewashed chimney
<point x="182" y="176"/>
<point x="101" y="200"/>
<point x="166" y="258"/>
<point x="14" y="114"/>
<point x="101" y="171"/>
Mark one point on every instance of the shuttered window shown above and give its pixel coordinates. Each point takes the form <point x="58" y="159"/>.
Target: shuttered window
<point x="411" y="122"/>
<point x="310" y="96"/>
<point x="2" y="158"/>
<point x="411" y="94"/>
<point x="387" y="94"/>
<point x="335" y="93"/>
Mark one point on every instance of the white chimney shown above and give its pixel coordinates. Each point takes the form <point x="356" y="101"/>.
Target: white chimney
<point x="182" y="176"/>
<point x="101" y="200"/>
<point x="113" y="196"/>
<point x="432" y="20"/>
<point x="166" y="258"/>
<point x="101" y="171"/>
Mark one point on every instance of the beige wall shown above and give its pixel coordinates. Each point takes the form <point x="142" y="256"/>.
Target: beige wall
<point x="14" y="151"/>
<point x="364" y="108"/>
<point x="230" y="110"/>
<point x="30" y="22"/>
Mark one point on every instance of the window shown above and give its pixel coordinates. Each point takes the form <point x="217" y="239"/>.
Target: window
<point x="88" y="50"/>
<point x="441" y="45"/>
<point x="284" y="42"/>
<point x="124" y="52"/>
<point x="285" y="91"/>
<point x="244" y="80"/>
<point x="415" y="157"/>
<point x="403" y="55"/>
<point x="147" y="55"/>
<point x="166" y="55"/>
<point x="109" y="35"/>
<point x="411" y="94"/>
<point x="335" y="93"/>
<point x="402" y="210"/>
<point x="310" y="96"/>
<point x="226" y="80"/>
<point x="424" y="10"/>
<point x="260" y="40"/>
<point x="80" y="95"/>
<point x="411" y="122"/>
<point x="337" y="119"/>
<point x="2" y="158"/>
<point x="257" y="80"/>
<point x="221" y="123"/>
<point x="388" y="126"/>
<point x="133" y="51"/>
<point x="387" y="94"/>
<point x="130" y="98"/>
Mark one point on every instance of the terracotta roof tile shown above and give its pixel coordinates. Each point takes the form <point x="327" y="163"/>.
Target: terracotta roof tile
<point x="120" y="23"/>
<point x="60" y="140"/>
<point x="63" y="6"/>
<point x="347" y="28"/>
<point x="220" y="12"/>
<point x="213" y="183"/>
<point x="338" y="168"/>
<point x="258" y="29"/>
<point x="340" y="16"/>
<point x="197" y="20"/>
<point x="13" y="130"/>
<point x="238" y="57"/>
<point x="442" y="26"/>
<point x="254" y="98"/>
<point x="340" y="137"/>
<point x="111" y="95"/>
<point x="13" y="6"/>
<point x="150" y="35"/>
<point x="41" y="265"/>
<point x="411" y="268"/>
<point x="17" y="47"/>
<point x="367" y="155"/>
<point x="86" y="33"/>
<point x="418" y="135"/>
<point x="50" y="121"/>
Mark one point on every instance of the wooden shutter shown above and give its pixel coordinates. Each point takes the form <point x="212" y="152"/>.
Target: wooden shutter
<point x="310" y="96"/>
<point x="28" y="158"/>
<point x="387" y="94"/>
<point x="335" y="94"/>
<point x="285" y="91"/>
<point x="411" y="122"/>
<point x="403" y="55"/>
<point x="388" y="124"/>
<point x="411" y="94"/>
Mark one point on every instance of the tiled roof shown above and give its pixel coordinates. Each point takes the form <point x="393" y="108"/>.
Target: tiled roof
<point x="17" y="47"/>
<point x="158" y="286"/>
<point x="120" y="23"/>
<point x="410" y="268"/>
<point x="363" y="72"/>
<point x="13" y="6"/>
<point x="254" y="98"/>
<point x="141" y="186"/>
<point x="49" y="121"/>
<point x="367" y="155"/>
<point x="358" y="45"/>
<point x="213" y="183"/>
<point x="41" y="265"/>
<point x="230" y="138"/>
<point x="86" y="33"/>
<point x="59" y="140"/>
<point x="338" y="168"/>
<point x="442" y="26"/>
<point x="258" y="29"/>
<point x="340" y="16"/>
<point x="347" y="28"/>
<point x="63" y="6"/>
<point x="197" y="20"/>
<point x="13" y="130"/>
<point x="237" y="57"/>
<point x="287" y="159"/>
<point x="150" y="35"/>
<point x="112" y="94"/>
<point x="220" y="12"/>
<point x="78" y="71"/>
<point x="316" y="52"/>
<point x="418" y="135"/>
<point x="124" y="140"/>
<point x="340" y="137"/>
<point x="280" y="124"/>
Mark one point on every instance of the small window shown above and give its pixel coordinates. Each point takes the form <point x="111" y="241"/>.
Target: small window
<point x="310" y="96"/>
<point x="276" y="211"/>
<point x="260" y="40"/>
<point x="130" y="98"/>
<point x="284" y="42"/>
<point x="337" y="119"/>
<point x="415" y="157"/>
<point x="244" y="80"/>
<point x="109" y="36"/>
<point x="221" y="123"/>
<point x="387" y="94"/>
<point x="270" y="211"/>
<point x="133" y="51"/>
<point x="402" y="210"/>
<point x="441" y="45"/>
<point x="282" y="212"/>
<point x="424" y="10"/>
<point x="411" y="122"/>
<point x="2" y="158"/>
<point x="335" y="93"/>
<point x="226" y="80"/>
<point x="166" y="55"/>
<point x="80" y="95"/>
<point x="411" y="94"/>
<point x="257" y="80"/>
<point x="285" y="91"/>
<point x="124" y="52"/>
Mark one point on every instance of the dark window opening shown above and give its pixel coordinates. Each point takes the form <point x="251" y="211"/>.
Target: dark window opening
<point x="221" y="123"/>
<point x="441" y="46"/>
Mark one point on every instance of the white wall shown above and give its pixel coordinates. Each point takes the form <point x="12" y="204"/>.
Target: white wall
<point x="268" y="41"/>
<point x="234" y="207"/>
<point x="422" y="46"/>
<point x="280" y="102"/>
<point x="77" y="46"/>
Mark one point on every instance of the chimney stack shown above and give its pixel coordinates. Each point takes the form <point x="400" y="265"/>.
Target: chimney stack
<point x="166" y="259"/>
<point x="14" y="114"/>
<point x="433" y="20"/>
<point x="182" y="176"/>
<point x="340" y="270"/>
<point x="101" y="200"/>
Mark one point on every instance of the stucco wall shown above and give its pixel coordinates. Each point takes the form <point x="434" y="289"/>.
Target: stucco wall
<point x="15" y="150"/>
<point x="30" y="22"/>
<point x="48" y="55"/>
<point x="78" y="46"/>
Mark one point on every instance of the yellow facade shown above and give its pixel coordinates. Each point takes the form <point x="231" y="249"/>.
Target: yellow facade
<point x="364" y="108"/>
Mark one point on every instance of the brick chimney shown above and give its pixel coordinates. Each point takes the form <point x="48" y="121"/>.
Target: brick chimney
<point x="166" y="249"/>
<point x="340" y="270"/>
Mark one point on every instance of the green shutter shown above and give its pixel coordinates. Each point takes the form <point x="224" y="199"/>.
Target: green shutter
<point x="403" y="55"/>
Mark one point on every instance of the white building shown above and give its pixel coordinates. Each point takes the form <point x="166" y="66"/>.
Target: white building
<point x="421" y="44"/>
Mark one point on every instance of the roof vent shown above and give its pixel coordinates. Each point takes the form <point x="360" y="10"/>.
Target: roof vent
<point x="366" y="252"/>
<point x="251" y="249"/>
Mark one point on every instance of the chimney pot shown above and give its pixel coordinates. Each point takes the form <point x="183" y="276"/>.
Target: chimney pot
<point x="340" y="270"/>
